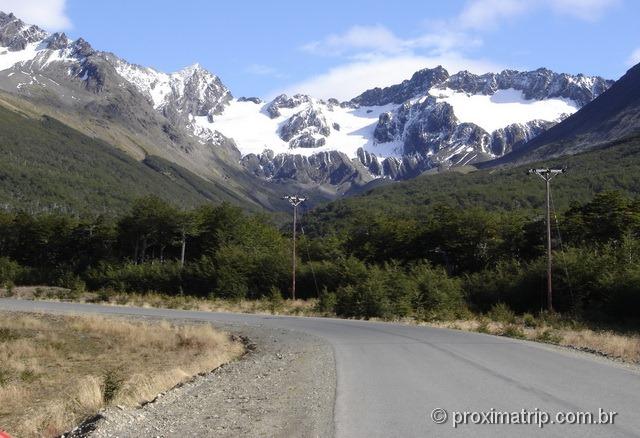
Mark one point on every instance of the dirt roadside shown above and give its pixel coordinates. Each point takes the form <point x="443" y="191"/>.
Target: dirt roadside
<point x="283" y="387"/>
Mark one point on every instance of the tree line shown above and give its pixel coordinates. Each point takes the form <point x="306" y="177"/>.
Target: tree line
<point x="439" y="263"/>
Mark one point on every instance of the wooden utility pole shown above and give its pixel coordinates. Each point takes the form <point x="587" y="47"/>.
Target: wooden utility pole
<point x="295" y="201"/>
<point x="547" y="175"/>
<point x="183" y="249"/>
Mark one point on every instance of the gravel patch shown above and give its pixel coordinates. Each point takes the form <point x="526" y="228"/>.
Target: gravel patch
<point x="283" y="387"/>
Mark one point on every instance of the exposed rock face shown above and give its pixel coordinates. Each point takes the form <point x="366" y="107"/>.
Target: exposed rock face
<point x="16" y="35"/>
<point x="506" y="139"/>
<point x="431" y="129"/>
<point x="330" y="167"/>
<point x="284" y="101"/>
<point x="307" y="122"/>
<point x="426" y="126"/>
<point x="57" y="41"/>
<point x="535" y="85"/>
<point x="255" y="100"/>
<point x="81" y="49"/>
<point x="615" y="115"/>
<point x="200" y="93"/>
<point x="371" y="162"/>
<point x="538" y="84"/>
<point x="419" y="84"/>
<point x="307" y="140"/>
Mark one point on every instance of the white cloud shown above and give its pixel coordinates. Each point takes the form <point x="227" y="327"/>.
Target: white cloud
<point x="369" y="38"/>
<point x="364" y="41"/>
<point x="347" y="81"/>
<point x="49" y="14"/>
<point x="484" y="14"/>
<point x="634" y="58"/>
<point x="376" y="57"/>
<point x="589" y="10"/>
<point x="264" y="70"/>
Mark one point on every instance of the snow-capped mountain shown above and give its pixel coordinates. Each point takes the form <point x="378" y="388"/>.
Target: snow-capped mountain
<point x="140" y="110"/>
<point x="190" y="117"/>
<point x="433" y="119"/>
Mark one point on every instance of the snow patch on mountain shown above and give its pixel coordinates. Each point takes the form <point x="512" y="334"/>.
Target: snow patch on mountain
<point x="156" y="85"/>
<point x="36" y="52"/>
<point x="254" y="131"/>
<point x="191" y="91"/>
<point x="8" y="58"/>
<point x="503" y="108"/>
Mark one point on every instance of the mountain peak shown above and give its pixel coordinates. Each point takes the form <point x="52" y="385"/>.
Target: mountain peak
<point x="192" y="70"/>
<point x="16" y="35"/>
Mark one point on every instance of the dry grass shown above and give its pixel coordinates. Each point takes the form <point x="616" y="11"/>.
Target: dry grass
<point x="624" y="347"/>
<point x="620" y="346"/>
<point x="56" y="371"/>
<point x="156" y="300"/>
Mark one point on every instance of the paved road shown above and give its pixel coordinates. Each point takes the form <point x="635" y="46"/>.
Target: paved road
<point x="391" y="377"/>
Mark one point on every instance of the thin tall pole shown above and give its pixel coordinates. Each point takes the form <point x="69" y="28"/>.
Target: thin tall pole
<point x="184" y="248"/>
<point x="547" y="175"/>
<point x="549" y="261"/>
<point x="295" y="201"/>
<point x="293" y="271"/>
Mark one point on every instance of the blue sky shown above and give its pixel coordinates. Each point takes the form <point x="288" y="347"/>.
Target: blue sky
<point x="343" y="47"/>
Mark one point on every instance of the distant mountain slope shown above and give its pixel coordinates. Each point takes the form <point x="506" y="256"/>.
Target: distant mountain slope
<point x="432" y="120"/>
<point x="293" y="143"/>
<point x="615" y="166"/>
<point x="140" y="111"/>
<point x="613" y="115"/>
<point x="48" y="166"/>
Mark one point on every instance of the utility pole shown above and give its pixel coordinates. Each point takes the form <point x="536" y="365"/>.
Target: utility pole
<point x="547" y="175"/>
<point x="295" y="201"/>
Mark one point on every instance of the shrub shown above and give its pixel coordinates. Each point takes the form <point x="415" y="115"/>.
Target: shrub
<point x="513" y="331"/>
<point x="111" y="385"/>
<point x="275" y="299"/>
<point x="437" y="295"/>
<point x="548" y="336"/>
<point x="530" y="321"/>
<point x="366" y="299"/>
<point x="231" y="284"/>
<point x="8" y="288"/>
<point x="502" y="313"/>
<point x="74" y="283"/>
<point x="199" y="278"/>
<point x="621" y="290"/>
<point x="10" y="271"/>
<point x="325" y="274"/>
<point x="327" y="302"/>
<point x="483" y="327"/>
<point x="146" y="277"/>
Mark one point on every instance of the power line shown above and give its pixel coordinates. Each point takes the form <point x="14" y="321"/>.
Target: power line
<point x="295" y="201"/>
<point x="566" y="270"/>
<point x="547" y="175"/>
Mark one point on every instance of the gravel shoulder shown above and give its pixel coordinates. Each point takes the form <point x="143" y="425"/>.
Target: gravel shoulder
<point x="283" y="387"/>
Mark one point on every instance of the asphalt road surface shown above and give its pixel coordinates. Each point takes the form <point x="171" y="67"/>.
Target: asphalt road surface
<point x="391" y="377"/>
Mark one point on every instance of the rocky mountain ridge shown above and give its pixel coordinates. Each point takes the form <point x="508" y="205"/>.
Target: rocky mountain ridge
<point x="190" y="117"/>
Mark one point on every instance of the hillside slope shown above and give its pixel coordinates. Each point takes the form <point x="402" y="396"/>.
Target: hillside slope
<point x="46" y="165"/>
<point x="615" y="166"/>
<point x="293" y="143"/>
<point x="613" y="115"/>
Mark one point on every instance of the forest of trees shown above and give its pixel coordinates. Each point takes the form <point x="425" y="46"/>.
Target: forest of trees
<point x="442" y="263"/>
